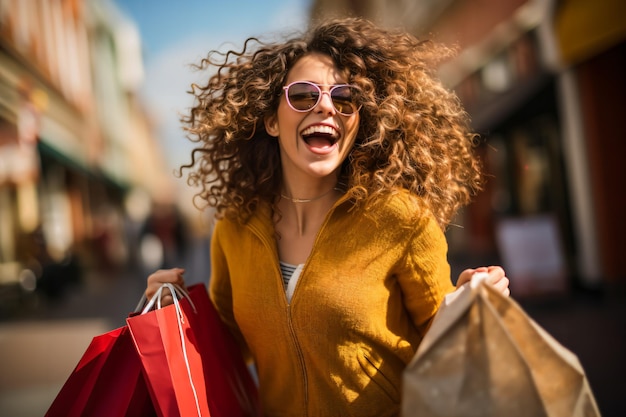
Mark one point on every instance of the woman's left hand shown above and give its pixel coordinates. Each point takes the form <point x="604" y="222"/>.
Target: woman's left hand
<point x="496" y="278"/>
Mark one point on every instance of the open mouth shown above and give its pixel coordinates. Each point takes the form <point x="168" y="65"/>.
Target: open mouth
<point x="320" y="136"/>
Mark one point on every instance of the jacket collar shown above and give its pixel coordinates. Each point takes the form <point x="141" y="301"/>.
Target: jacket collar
<point x="261" y="219"/>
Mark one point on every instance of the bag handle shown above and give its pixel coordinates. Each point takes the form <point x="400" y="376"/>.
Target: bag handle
<point x="477" y="279"/>
<point x="177" y="292"/>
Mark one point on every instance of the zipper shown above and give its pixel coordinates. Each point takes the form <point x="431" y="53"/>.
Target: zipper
<point x="305" y="379"/>
<point x="289" y="316"/>
<point x="269" y="245"/>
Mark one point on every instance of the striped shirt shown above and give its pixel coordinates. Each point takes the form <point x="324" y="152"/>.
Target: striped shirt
<point x="290" y="274"/>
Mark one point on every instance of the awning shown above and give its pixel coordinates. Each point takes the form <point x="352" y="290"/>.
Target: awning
<point x="92" y="173"/>
<point x="586" y="28"/>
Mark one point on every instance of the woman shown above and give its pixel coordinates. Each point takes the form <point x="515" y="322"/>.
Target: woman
<point x="334" y="161"/>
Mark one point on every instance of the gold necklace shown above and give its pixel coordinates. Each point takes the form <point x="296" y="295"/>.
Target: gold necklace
<point x="308" y="200"/>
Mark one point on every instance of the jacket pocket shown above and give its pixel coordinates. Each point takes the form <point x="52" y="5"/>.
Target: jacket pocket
<point x="374" y="367"/>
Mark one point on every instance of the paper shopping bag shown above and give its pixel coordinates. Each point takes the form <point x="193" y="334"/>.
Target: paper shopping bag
<point x="107" y="381"/>
<point x="232" y="391"/>
<point x="484" y="356"/>
<point x="192" y="365"/>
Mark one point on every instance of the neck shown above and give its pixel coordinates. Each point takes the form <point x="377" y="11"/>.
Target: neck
<point x="304" y="216"/>
<point x="297" y="200"/>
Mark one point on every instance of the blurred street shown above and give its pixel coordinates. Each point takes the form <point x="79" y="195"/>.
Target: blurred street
<point x="41" y="344"/>
<point x="40" y="348"/>
<point x="91" y="95"/>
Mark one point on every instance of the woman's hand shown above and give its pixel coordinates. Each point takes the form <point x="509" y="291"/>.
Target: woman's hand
<point x="496" y="277"/>
<point x="162" y="276"/>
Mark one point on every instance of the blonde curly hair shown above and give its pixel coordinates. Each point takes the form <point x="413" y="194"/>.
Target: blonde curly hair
<point x="413" y="134"/>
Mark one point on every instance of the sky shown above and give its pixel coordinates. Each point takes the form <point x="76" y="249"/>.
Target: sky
<point x="177" y="33"/>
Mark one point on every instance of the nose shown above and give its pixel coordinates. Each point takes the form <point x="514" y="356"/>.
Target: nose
<point x="325" y="103"/>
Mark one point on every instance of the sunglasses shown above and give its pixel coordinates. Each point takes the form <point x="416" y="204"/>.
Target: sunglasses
<point x="303" y="96"/>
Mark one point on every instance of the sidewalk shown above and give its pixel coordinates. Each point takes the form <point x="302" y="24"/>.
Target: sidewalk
<point x="41" y="347"/>
<point x="38" y="352"/>
<point x="36" y="357"/>
<point x="592" y="326"/>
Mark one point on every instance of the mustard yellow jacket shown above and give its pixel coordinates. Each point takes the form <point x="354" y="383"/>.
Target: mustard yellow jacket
<point x="366" y="295"/>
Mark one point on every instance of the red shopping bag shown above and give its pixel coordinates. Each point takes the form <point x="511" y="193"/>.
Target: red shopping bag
<point x="232" y="390"/>
<point x="192" y="365"/>
<point x="107" y="381"/>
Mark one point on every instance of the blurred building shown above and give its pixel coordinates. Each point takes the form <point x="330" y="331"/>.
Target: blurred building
<point x="543" y="81"/>
<point x="78" y="155"/>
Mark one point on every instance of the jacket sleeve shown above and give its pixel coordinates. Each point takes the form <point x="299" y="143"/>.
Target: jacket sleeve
<point x="425" y="273"/>
<point x="220" y="289"/>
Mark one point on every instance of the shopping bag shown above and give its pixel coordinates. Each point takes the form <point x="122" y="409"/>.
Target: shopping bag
<point x="484" y="356"/>
<point x="233" y="392"/>
<point x="192" y="365"/>
<point x="107" y="381"/>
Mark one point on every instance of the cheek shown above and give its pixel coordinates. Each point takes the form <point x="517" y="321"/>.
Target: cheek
<point x="289" y="120"/>
<point x="287" y="129"/>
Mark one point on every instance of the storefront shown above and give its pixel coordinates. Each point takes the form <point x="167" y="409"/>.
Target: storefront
<point x="522" y="220"/>
<point x="547" y="97"/>
<point x="591" y="40"/>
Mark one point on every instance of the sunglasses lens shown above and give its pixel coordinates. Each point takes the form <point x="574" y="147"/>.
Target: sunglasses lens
<point x="303" y="96"/>
<point x="344" y="99"/>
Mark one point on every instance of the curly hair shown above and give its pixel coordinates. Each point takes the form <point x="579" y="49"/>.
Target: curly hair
<point x="413" y="134"/>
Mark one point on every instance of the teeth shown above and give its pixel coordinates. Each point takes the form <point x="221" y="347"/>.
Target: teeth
<point x="324" y="130"/>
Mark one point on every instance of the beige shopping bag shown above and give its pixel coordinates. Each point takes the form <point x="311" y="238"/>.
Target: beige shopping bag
<point x="484" y="356"/>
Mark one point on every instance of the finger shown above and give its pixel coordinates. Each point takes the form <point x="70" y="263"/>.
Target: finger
<point x="158" y="278"/>
<point x="493" y="275"/>
<point x="496" y="271"/>
<point x="505" y="291"/>
<point x="173" y="275"/>
<point x="167" y="299"/>
<point x="502" y="285"/>
<point x="465" y="276"/>
<point x="153" y="283"/>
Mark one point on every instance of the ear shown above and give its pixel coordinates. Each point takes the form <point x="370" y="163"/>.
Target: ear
<point x="271" y="124"/>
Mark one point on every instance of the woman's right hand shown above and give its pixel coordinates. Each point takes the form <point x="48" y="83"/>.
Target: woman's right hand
<point x="162" y="276"/>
